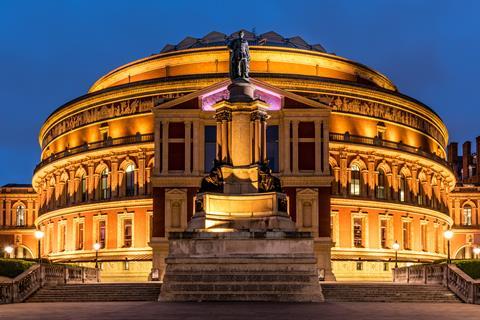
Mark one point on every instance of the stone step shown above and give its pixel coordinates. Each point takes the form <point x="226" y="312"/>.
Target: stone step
<point x="280" y="287"/>
<point x="244" y="296"/>
<point x="348" y="292"/>
<point x="240" y="277"/>
<point x="98" y="292"/>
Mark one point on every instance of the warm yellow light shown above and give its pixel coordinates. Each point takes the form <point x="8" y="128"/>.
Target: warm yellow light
<point x="448" y="234"/>
<point x="39" y="234"/>
<point x="396" y="246"/>
<point x="476" y="250"/>
<point x="9" y="249"/>
<point x="96" y="246"/>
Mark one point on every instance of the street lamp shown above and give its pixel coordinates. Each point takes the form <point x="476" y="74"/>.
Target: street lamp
<point x="96" y="247"/>
<point x="476" y="252"/>
<point x="39" y="235"/>
<point x="448" y="234"/>
<point x="395" y="247"/>
<point x="8" y="250"/>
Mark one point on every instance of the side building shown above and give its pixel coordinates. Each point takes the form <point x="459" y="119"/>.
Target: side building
<point x="18" y="212"/>
<point x="464" y="200"/>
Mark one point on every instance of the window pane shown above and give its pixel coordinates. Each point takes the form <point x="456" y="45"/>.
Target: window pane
<point x="210" y="147"/>
<point x="272" y="147"/>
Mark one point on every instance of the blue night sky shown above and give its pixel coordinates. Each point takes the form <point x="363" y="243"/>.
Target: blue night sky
<point x="52" y="51"/>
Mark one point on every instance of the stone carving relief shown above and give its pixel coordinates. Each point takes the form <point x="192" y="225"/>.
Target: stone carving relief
<point x="381" y="111"/>
<point x="104" y="112"/>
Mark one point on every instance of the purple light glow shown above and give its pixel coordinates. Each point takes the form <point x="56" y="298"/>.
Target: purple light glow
<point x="273" y="99"/>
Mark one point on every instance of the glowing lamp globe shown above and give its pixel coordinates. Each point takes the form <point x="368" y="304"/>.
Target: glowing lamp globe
<point x="448" y="234"/>
<point x="476" y="250"/>
<point x="396" y="246"/>
<point x="8" y="249"/>
<point x="39" y="234"/>
<point x="96" y="246"/>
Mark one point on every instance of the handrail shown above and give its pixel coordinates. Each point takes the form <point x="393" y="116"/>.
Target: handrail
<point x="448" y="275"/>
<point x="349" y="138"/>
<point x="109" y="142"/>
<point x="40" y="275"/>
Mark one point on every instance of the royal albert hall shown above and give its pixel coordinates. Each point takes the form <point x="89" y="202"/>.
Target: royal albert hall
<point x="363" y="165"/>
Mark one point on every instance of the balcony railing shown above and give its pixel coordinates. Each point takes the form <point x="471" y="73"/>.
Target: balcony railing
<point x="431" y="205"/>
<point x="14" y="227"/>
<point x="109" y="142"/>
<point x="348" y="138"/>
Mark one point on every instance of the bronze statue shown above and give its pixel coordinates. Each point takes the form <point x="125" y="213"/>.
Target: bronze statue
<point x="239" y="58"/>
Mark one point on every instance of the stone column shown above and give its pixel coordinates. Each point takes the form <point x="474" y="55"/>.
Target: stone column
<point x="372" y="176"/>
<point x="196" y="147"/>
<point x="188" y="146"/>
<point x="71" y="186"/>
<point x="114" y="177"/>
<point x="218" y="145"/>
<point x="295" y="146"/>
<point x="224" y="141"/>
<point x="264" y="138"/>
<point x="326" y="151"/>
<point x="90" y="182"/>
<point x="286" y="146"/>
<point x="318" y="148"/>
<point x="141" y="172"/>
<point x="158" y="143"/>
<point x="165" y="147"/>
<point x="256" y="140"/>
<point x="8" y="213"/>
<point x="343" y="173"/>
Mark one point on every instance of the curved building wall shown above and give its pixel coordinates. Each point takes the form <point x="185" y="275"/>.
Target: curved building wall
<point x="88" y="143"/>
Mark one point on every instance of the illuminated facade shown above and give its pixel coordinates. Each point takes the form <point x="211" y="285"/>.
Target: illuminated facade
<point x="386" y="162"/>
<point x="18" y="211"/>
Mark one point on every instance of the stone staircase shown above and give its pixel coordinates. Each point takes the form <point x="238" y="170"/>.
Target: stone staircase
<point x="241" y="280"/>
<point x="98" y="292"/>
<point x="387" y="292"/>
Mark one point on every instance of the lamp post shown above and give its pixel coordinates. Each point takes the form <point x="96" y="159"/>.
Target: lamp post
<point x="8" y="250"/>
<point x="448" y="234"/>
<point x="476" y="252"/>
<point x="96" y="247"/>
<point x="39" y="235"/>
<point x="395" y="247"/>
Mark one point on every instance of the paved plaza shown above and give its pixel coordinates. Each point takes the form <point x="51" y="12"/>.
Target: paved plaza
<point x="227" y="311"/>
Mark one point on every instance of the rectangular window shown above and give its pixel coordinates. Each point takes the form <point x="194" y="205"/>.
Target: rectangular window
<point x="306" y="146"/>
<point x="79" y="236"/>
<point x="62" y="237"/>
<point x="50" y="239"/>
<point x="436" y="239"/>
<point x="272" y="147"/>
<point x="383" y="233"/>
<point x="406" y="235"/>
<point x="210" y="147"/>
<point x="127" y="233"/>
<point x="358" y="232"/>
<point x="176" y="156"/>
<point x="424" y="236"/>
<point x="102" y="233"/>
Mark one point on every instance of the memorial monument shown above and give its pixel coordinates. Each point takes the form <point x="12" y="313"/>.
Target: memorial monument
<point x="241" y="244"/>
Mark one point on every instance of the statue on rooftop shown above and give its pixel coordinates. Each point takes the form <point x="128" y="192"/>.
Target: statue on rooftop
<point x="239" y="57"/>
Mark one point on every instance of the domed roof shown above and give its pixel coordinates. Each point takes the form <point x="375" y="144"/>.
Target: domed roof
<point x="215" y="38"/>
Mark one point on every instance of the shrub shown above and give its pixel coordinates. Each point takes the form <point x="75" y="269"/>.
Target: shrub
<point x="13" y="267"/>
<point x="470" y="267"/>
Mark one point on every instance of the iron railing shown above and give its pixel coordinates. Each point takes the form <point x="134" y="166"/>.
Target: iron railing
<point x="109" y="142"/>
<point x="349" y="138"/>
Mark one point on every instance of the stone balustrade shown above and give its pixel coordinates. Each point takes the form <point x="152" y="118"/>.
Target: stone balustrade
<point x="450" y="276"/>
<point x="27" y="283"/>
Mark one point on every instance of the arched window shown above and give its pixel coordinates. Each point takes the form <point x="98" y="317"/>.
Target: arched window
<point x="355" y="180"/>
<point x="467" y="215"/>
<point x="83" y="188"/>
<point x="382" y="184"/>
<point x="402" y="188"/>
<point x="104" y="190"/>
<point x="21" y="215"/>
<point x="421" y="194"/>
<point x="130" y="180"/>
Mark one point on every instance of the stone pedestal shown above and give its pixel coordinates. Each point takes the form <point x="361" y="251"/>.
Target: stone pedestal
<point x="241" y="266"/>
